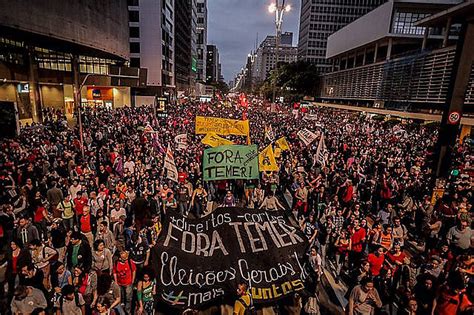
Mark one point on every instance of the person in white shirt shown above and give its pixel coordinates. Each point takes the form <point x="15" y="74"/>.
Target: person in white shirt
<point x="74" y="188"/>
<point x="116" y="212"/>
<point x="129" y="165"/>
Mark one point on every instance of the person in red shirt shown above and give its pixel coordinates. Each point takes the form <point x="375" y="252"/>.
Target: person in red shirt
<point x="88" y="225"/>
<point x="79" y="202"/>
<point x="376" y="261"/>
<point x="397" y="260"/>
<point x="450" y="298"/>
<point x="357" y="243"/>
<point x="182" y="176"/>
<point x="124" y="275"/>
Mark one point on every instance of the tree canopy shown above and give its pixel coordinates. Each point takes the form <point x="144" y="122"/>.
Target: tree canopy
<point x="297" y="79"/>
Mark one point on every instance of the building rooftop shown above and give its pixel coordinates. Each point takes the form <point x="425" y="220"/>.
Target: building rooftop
<point x="381" y="23"/>
<point x="457" y="14"/>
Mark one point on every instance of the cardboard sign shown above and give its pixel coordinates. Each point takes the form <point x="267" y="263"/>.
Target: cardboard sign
<point x="231" y="162"/>
<point x="222" y="126"/>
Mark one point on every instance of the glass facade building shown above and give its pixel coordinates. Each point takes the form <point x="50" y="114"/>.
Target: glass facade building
<point x="320" y="18"/>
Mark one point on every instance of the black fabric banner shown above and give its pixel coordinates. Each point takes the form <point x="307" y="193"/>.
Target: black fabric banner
<point x="201" y="261"/>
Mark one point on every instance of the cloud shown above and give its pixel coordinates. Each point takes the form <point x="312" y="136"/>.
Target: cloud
<point x="233" y="26"/>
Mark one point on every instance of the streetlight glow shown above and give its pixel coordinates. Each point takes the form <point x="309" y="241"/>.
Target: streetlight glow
<point x="272" y="8"/>
<point x="288" y="8"/>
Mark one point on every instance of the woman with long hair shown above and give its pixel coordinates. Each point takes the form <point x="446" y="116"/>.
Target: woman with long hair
<point x="146" y="289"/>
<point x="198" y="200"/>
<point x="342" y="245"/>
<point x="15" y="257"/>
<point x="85" y="283"/>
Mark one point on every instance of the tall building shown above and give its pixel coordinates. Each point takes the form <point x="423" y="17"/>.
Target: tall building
<point x="212" y="64"/>
<point x="385" y="60"/>
<point x="201" y="42"/>
<point x="265" y="58"/>
<point x="151" y="26"/>
<point x="185" y="44"/>
<point x="46" y="52"/>
<point x="321" y="18"/>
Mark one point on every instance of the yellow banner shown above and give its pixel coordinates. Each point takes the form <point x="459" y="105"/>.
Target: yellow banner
<point x="221" y="126"/>
<point x="266" y="160"/>
<point x="213" y="140"/>
<point x="277" y="152"/>
<point x="282" y="144"/>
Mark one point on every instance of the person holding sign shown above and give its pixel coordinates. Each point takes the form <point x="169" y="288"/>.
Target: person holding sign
<point x="198" y="200"/>
<point x="229" y="200"/>
<point x="271" y="203"/>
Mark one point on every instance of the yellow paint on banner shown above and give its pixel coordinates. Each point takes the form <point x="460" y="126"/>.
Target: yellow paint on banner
<point x="213" y="140"/>
<point x="266" y="160"/>
<point x="282" y="144"/>
<point x="277" y="152"/>
<point x="222" y="126"/>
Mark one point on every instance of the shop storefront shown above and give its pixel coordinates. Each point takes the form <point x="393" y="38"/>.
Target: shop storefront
<point x="106" y="97"/>
<point x="100" y="97"/>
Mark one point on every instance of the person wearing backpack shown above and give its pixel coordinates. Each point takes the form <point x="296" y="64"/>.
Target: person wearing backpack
<point x="71" y="302"/>
<point x="124" y="276"/>
<point x="243" y="305"/>
<point x="42" y="256"/>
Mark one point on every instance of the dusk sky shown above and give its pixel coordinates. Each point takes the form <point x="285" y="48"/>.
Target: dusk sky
<point x="233" y="26"/>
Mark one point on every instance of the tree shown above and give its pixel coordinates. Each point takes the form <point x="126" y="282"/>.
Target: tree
<point x="221" y="86"/>
<point x="296" y="79"/>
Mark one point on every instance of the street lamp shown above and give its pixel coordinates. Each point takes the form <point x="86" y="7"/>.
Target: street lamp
<point x="278" y="8"/>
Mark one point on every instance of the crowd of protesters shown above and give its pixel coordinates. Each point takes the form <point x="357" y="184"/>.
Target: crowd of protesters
<point x="73" y="244"/>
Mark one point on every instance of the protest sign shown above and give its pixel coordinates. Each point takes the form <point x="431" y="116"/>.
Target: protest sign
<point x="213" y="140"/>
<point x="181" y="141"/>
<point x="221" y="126"/>
<point x="321" y="152"/>
<point x="170" y="166"/>
<point x="201" y="261"/>
<point x="307" y="136"/>
<point x="282" y="144"/>
<point x="266" y="160"/>
<point x="310" y="117"/>
<point x="230" y="162"/>
<point x="269" y="134"/>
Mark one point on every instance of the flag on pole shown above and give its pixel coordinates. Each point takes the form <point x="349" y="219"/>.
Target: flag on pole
<point x="321" y="151"/>
<point x="170" y="166"/>
<point x="282" y="144"/>
<point x="266" y="160"/>
<point x="269" y="134"/>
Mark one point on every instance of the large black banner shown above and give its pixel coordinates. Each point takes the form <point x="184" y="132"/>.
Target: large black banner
<point x="200" y="261"/>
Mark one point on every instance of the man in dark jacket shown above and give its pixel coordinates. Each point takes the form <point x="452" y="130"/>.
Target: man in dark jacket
<point x="26" y="232"/>
<point x="32" y="276"/>
<point x="55" y="196"/>
<point x="78" y="252"/>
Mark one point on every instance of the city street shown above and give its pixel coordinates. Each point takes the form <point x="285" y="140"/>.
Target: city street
<point x="277" y="157"/>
